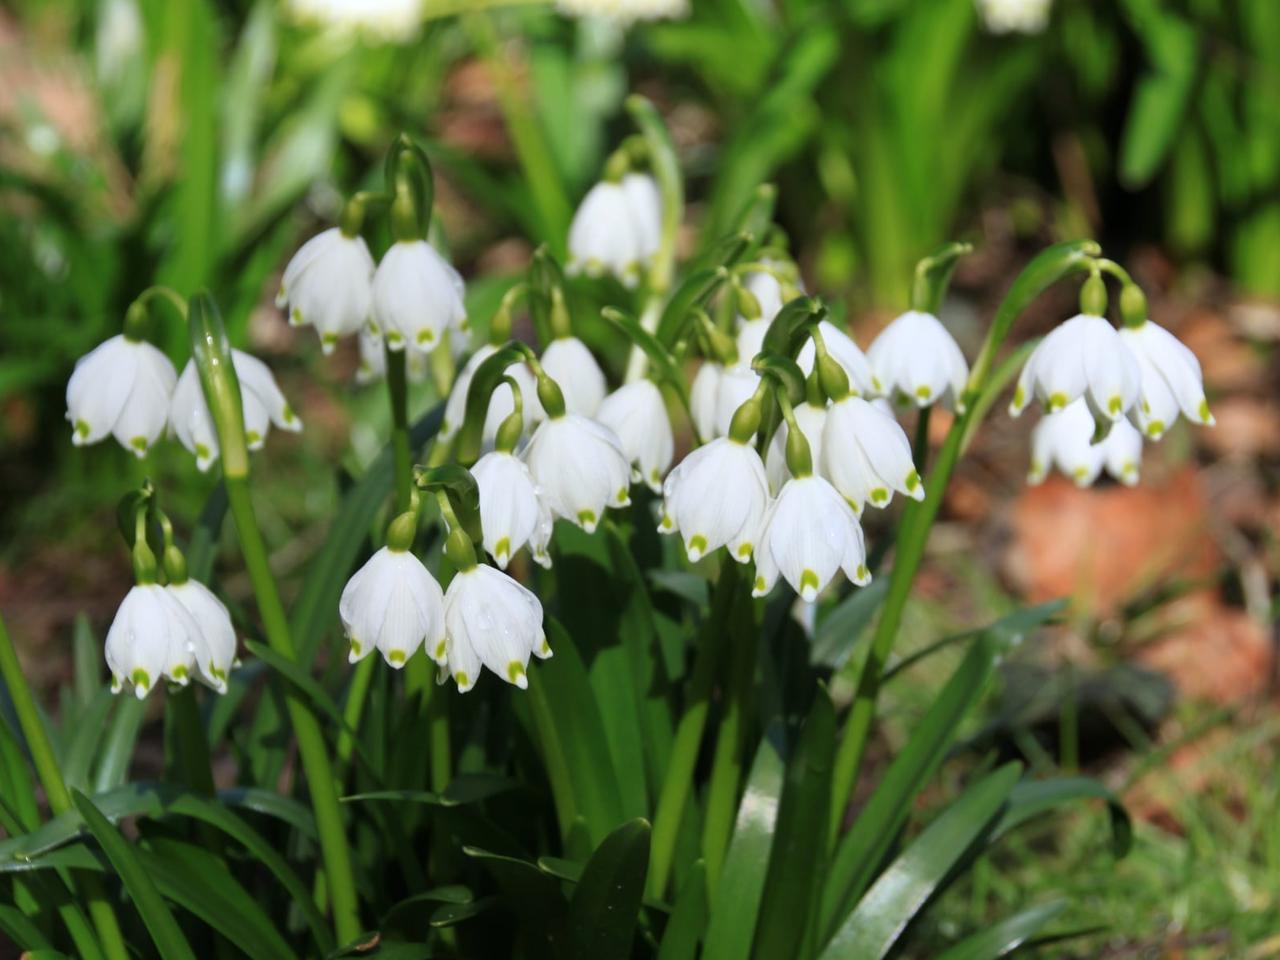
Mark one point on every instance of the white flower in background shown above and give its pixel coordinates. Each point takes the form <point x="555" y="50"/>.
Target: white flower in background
<point x="616" y="228"/>
<point x="373" y="361"/>
<point x="152" y="636"/>
<point x="767" y="291"/>
<point x="916" y="360"/>
<point x="261" y="398"/>
<point x="637" y="413"/>
<point x="540" y="539"/>
<point x="510" y="506"/>
<point x="811" y="418"/>
<point x="417" y="296"/>
<point x="624" y="11"/>
<point x="501" y="402"/>
<point x="702" y="398"/>
<point x="866" y="455"/>
<point x="736" y="386"/>
<point x="394" y="605"/>
<point x="580" y="467"/>
<point x="716" y="497"/>
<point x="122" y="387"/>
<point x="808" y="534"/>
<point x="751" y="337"/>
<point x="492" y="621"/>
<point x="846" y="353"/>
<point x="329" y="285"/>
<point x="388" y="20"/>
<point x="217" y="654"/>
<point x="1015" y="16"/>
<point x="1171" y="380"/>
<point x="1064" y="440"/>
<point x="570" y="364"/>
<point x="1083" y="357"/>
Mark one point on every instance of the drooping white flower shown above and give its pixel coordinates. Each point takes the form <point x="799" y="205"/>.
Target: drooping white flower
<point x="1064" y="440"/>
<point x="1083" y="357"/>
<point x="624" y="11"/>
<point x="1015" y="16"/>
<point x="751" y="338"/>
<point x="702" y="398"/>
<point x="846" y="353"/>
<point x="768" y="293"/>
<point x="716" y="497"/>
<point x="616" y="228"/>
<point x="261" y="398"/>
<point x="501" y="402"/>
<point x="637" y="413"/>
<point x="329" y="285"/>
<point x="217" y="654"/>
<point x="1171" y="380"/>
<point x="808" y="534"/>
<point x="580" y="467"/>
<point x="812" y="418"/>
<point x="916" y="360"/>
<point x="540" y="539"/>
<point x="121" y="387"/>
<point x="394" y="605"/>
<point x="373" y="361"/>
<point x="152" y="636"/>
<point x="387" y="20"/>
<point x="570" y="364"/>
<point x="510" y="505"/>
<point x="417" y="296"/>
<point x="736" y="386"/>
<point x="493" y="621"/>
<point x="866" y="455"/>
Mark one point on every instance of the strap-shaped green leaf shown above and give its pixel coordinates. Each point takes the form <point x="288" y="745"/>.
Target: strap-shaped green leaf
<point x="689" y="918"/>
<point x="1007" y="935"/>
<point x="1032" y="798"/>
<point x="165" y="932"/>
<point x="871" y="931"/>
<point x="606" y="901"/>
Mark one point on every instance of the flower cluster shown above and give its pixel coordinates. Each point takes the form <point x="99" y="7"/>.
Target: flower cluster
<point x="1015" y="16"/>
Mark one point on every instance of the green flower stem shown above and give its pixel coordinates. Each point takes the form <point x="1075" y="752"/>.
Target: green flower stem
<point x="306" y="728"/>
<point x="554" y="760"/>
<point x="42" y="757"/>
<point x="917" y="518"/>
<point x="637" y="359"/>
<point x="527" y="135"/>
<point x="726" y="768"/>
<point x="678" y="782"/>
<point x="438" y="734"/>
<point x="398" y="392"/>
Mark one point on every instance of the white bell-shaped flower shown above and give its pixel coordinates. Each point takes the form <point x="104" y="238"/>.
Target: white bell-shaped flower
<point x="637" y="413"/>
<point x="121" y="387"/>
<point x="1171" y="380"/>
<point x="394" y="605"/>
<point x="1083" y="357"/>
<point x="329" y="285"/>
<point x="916" y="360"/>
<point x="750" y="338"/>
<point x="812" y="418"/>
<point x="1015" y="16"/>
<point x="491" y="621"/>
<point x="866" y="455"/>
<point x="624" y="11"/>
<point x="510" y="505"/>
<point x="616" y="228"/>
<point x="702" y="398"/>
<point x="580" y="467"/>
<point x="215" y="657"/>
<point x="260" y="396"/>
<point x="736" y="385"/>
<point x="152" y="636"/>
<point x="765" y="287"/>
<point x="808" y="534"/>
<point x="540" y="539"/>
<point x="1064" y="439"/>
<point x="501" y="402"/>
<point x="570" y="364"/>
<point x="417" y="296"/>
<point x="846" y="353"/>
<point x="716" y="497"/>
<point x="373" y="361"/>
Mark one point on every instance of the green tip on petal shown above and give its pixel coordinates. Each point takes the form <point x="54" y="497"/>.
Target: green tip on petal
<point x="218" y="674"/>
<point x="296" y="317"/>
<point x="545" y="649"/>
<point x="1114" y="406"/>
<point x="179" y="672"/>
<point x="1205" y="415"/>
<point x="141" y="679"/>
<point x="697" y="545"/>
<point x="396" y="658"/>
<point x="461" y="678"/>
<point x="393" y="336"/>
<point x="862" y="573"/>
<point x="923" y="393"/>
<point x="1057" y="401"/>
<point x="252" y="437"/>
<point x="808" y="584"/>
<point x="1080" y="474"/>
<point x="1155" y="429"/>
<point x="288" y="415"/>
<point x="759" y="586"/>
<point x="912" y="481"/>
<point x="139" y="444"/>
<point x="356" y="647"/>
<point x="744" y="551"/>
<point x="329" y="339"/>
<point x="426" y="336"/>
<point x="516" y="674"/>
<point x="879" y="495"/>
<point x="202" y="451"/>
<point x="440" y="649"/>
<point x="587" y="518"/>
<point x="666" y="523"/>
<point x="624" y="497"/>
<point x="82" y="429"/>
<point x="1019" y="397"/>
<point x="502" y="549"/>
